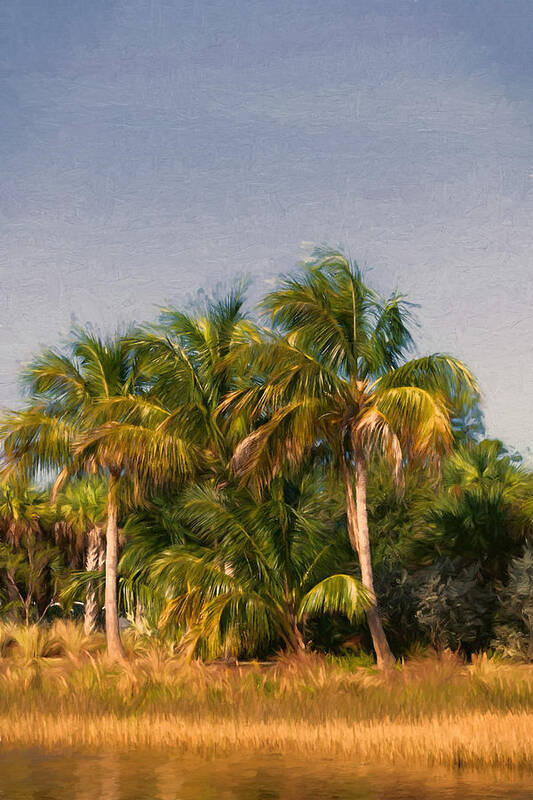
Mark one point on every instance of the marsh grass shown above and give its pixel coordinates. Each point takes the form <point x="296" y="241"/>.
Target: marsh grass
<point x="57" y="689"/>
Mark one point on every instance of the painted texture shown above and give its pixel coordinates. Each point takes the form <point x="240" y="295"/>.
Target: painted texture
<point x="151" y="149"/>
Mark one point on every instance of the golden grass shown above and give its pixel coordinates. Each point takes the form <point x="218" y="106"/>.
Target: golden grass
<point x="59" y="690"/>
<point x="473" y="740"/>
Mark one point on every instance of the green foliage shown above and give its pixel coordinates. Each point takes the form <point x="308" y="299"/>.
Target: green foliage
<point x="341" y="594"/>
<point x="33" y="572"/>
<point x="483" y="512"/>
<point x="31" y="564"/>
<point x="255" y="568"/>
<point x="397" y="514"/>
<point x="514" y="633"/>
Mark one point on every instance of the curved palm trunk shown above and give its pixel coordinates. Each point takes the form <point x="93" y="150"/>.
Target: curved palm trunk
<point x="114" y="645"/>
<point x="358" y="531"/>
<point x="94" y="555"/>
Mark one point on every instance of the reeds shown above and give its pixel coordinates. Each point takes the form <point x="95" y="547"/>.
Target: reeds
<point x="57" y="689"/>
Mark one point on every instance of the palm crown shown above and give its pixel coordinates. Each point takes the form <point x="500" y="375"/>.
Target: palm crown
<point x="336" y="368"/>
<point x="190" y="364"/>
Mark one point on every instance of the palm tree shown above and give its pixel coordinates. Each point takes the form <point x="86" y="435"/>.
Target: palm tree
<point x="257" y="568"/>
<point x="191" y="363"/>
<point x="484" y="511"/>
<point x="81" y="507"/>
<point x="334" y="371"/>
<point x="74" y="423"/>
<point x="27" y="557"/>
<point x="149" y="531"/>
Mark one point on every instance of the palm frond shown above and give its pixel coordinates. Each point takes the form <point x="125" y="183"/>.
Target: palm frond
<point x="340" y="594"/>
<point x="435" y="373"/>
<point x="35" y="442"/>
<point x="419" y="418"/>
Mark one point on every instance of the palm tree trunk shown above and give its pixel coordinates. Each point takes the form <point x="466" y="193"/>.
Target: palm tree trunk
<point x="298" y="639"/>
<point x="297" y="642"/>
<point x="101" y="566"/>
<point x="351" y="512"/>
<point x="114" y="645"/>
<point x="13" y="595"/>
<point x="91" y="564"/>
<point x="358" y="531"/>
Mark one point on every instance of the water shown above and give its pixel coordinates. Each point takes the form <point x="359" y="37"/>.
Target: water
<point x="154" y="776"/>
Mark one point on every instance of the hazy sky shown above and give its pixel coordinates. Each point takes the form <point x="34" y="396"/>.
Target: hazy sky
<point x="150" y="149"/>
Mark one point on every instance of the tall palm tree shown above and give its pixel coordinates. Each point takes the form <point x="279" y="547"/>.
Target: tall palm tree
<point x="74" y="424"/>
<point x="335" y="371"/>
<point x="189" y="364"/>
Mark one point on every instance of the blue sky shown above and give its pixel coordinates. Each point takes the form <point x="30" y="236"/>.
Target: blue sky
<point x="151" y="149"/>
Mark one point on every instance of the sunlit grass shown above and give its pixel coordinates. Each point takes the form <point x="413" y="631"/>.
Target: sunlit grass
<point x="57" y="689"/>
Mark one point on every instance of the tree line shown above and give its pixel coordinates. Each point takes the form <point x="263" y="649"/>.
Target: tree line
<point x="241" y="484"/>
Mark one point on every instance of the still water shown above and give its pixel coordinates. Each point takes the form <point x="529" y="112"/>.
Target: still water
<point x="154" y="776"/>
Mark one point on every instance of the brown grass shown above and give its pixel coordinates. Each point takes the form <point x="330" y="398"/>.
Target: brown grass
<point x="59" y="690"/>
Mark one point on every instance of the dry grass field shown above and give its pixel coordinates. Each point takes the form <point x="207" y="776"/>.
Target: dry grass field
<point x="57" y="689"/>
